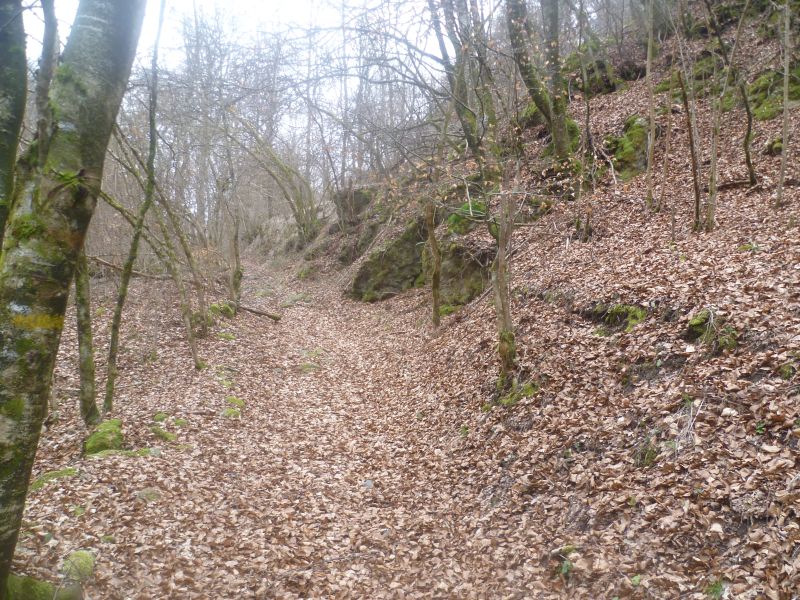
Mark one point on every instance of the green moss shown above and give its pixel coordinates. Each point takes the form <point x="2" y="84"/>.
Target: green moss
<point x="530" y="116"/>
<point x="234" y="401"/>
<point x="630" y="149"/>
<point x="29" y="588"/>
<point x="712" y="331"/>
<point x="766" y="92"/>
<point x="447" y="309"/>
<point x="466" y="217"/>
<point x="787" y="370"/>
<point x="79" y="566"/>
<point x="46" y="478"/>
<point x="26" y="226"/>
<point x="141" y="452"/>
<point x="224" y="335"/>
<point x="625" y="316"/>
<point x="307" y="272"/>
<point x="518" y="392"/>
<point x="148" y="495"/>
<point x="224" y="309"/>
<point x="231" y="413"/>
<point x="180" y="422"/>
<point x="160" y="417"/>
<point x="14" y="409"/>
<point x="107" y="436"/>
<point x="163" y="434"/>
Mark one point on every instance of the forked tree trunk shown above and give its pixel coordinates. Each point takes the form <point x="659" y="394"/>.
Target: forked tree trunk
<point x="46" y="229"/>
<point x="83" y="309"/>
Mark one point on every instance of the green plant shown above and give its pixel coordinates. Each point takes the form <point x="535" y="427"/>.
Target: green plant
<point x="163" y="434"/>
<point x="234" y="401"/>
<point x="715" y="589"/>
<point x="749" y="247"/>
<point x="160" y="417"/>
<point x="463" y="431"/>
<point x="224" y="335"/>
<point x="231" y="413"/>
<point x="466" y="216"/>
<point x="761" y="427"/>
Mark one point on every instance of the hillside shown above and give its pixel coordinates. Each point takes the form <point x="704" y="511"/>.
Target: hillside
<point x="352" y="450"/>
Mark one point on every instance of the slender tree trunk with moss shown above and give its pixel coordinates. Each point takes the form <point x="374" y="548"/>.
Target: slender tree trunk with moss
<point x="45" y="233"/>
<point x="13" y="90"/>
<point x="558" y="89"/>
<point x="506" y="345"/>
<point x="237" y="272"/>
<point x="711" y="206"/>
<point x="133" y="251"/>
<point x="651" y="107"/>
<point x="83" y="309"/>
<point x="692" y="150"/>
<point x="519" y="33"/>
<point x="436" y="262"/>
<point x="787" y="52"/>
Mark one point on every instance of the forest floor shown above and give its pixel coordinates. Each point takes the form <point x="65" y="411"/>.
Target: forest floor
<point x="328" y="485"/>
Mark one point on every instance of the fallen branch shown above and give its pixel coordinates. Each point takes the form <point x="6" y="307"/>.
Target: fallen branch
<point x="261" y="313"/>
<point x="135" y="273"/>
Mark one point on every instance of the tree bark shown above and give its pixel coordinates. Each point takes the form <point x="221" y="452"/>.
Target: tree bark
<point x="46" y="229"/>
<point x="558" y="91"/>
<point x="13" y="90"/>
<point x="692" y="150"/>
<point x="502" y="296"/>
<point x="83" y="308"/>
<point x="519" y="33"/>
<point x="787" y="52"/>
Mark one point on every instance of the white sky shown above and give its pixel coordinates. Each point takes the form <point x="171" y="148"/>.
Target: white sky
<point x="244" y="17"/>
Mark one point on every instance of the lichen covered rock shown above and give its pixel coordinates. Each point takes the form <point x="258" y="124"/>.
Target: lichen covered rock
<point x="630" y="149"/>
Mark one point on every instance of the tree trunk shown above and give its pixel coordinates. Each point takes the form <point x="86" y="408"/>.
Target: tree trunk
<point x="692" y="150"/>
<point x="558" y="90"/>
<point x="237" y="272"/>
<point x="13" y="89"/>
<point x="436" y="262"/>
<point x="505" y="327"/>
<point x="519" y="33"/>
<point x="83" y="309"/>
<point x="133" y="251"/>
<point x="46" y="229"/>
<point x="651" y="107"/>
<point x="787" y="52"/>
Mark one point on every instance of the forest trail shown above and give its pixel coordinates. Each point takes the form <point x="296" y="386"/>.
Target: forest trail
<point x="331" y="484"/>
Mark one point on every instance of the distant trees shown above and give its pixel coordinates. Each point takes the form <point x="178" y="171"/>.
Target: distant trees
<point x="53" y="202"/>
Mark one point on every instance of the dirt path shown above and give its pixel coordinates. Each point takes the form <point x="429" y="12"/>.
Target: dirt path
<point x="331" y="484"/>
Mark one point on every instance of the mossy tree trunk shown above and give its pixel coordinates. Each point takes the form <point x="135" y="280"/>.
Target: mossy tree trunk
<point x="688" y="111"/>
<point x="558" y="90"/>
<point x="46" y="228"/>
<point x="502" y="296"/>
<point x="520" y="34"/>
<point x="237" y="272"/>
<point x="133" y="250"/>
<point x="83" y="308"/>
<point x="651" y="108"/>
<point x="13" y="90"/>
<point x="787" y="52"/>
<point x="436" y="262"/>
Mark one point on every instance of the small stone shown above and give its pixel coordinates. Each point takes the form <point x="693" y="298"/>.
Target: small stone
<point x="149" y="494"/>
<point x="367" y="485"/>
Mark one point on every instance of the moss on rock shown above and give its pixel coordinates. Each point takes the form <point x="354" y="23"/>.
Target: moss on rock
<point x="617" y="316"/>
<point x="29" y="588"/>
<point x="163" y="434"/>
<point x="46" y="478"/>
<point x="766" y="92"/>
<point x="393" y="268"/>
<point x="107" y="436"/>
<point x="712" y="331"/>
<point x="630" y="149"/>
<point x="79" y="566"/>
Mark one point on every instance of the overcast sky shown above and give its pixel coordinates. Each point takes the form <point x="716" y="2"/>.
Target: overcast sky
<point x="243" y="17"/>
